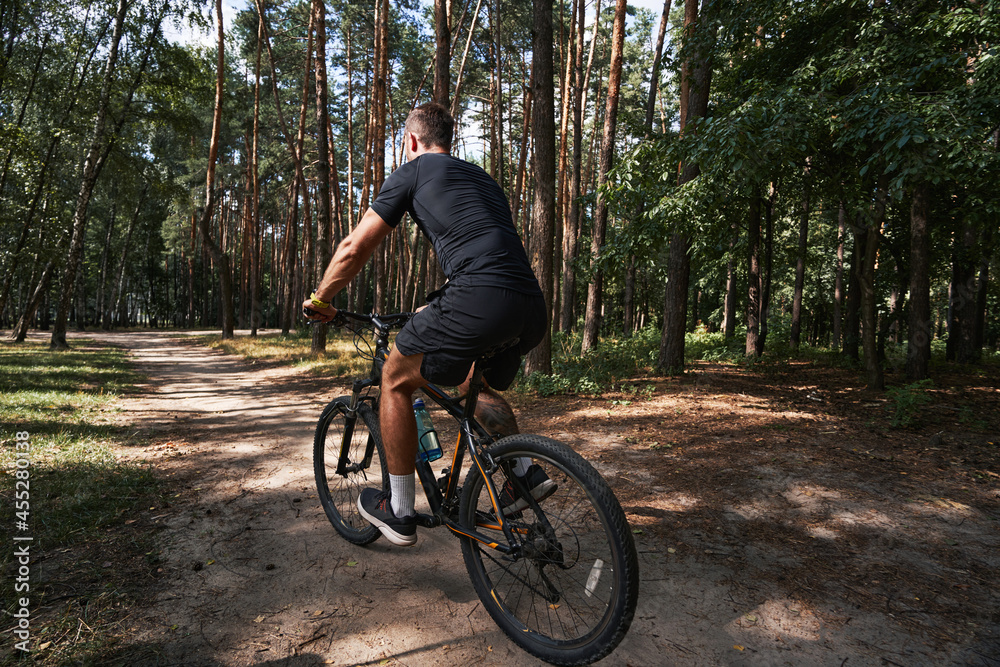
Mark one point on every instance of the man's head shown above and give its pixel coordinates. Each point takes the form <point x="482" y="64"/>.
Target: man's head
<point x="432" y="125"/>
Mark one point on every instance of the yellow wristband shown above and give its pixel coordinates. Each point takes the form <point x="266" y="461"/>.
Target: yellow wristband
<point x="316" y="301"/>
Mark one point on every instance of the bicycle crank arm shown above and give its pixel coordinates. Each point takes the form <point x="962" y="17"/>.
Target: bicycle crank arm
<point x="428" y="520"/>
<point x="482" y="539"/>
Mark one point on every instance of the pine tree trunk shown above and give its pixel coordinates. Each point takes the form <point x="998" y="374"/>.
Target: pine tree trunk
<point x="498" y="107"/>
<point x="838" y="288"/>
<point x="465" y="54"/>
<point x="766" y="270"/>
<point x="800" y="271"/>
<point x="696" y="78"/>
<point x="323" y="208"/>
<point x="671" y="354"/>
<point x="543" y="211"/>
<point x="219" y="256"/>
<point x="753" y="277"/>
<point x="595" y="290"/>
<point x="982" y="292"/>
<point x="381" y="277"/>
<point x="869" y="310"/>
<point x="964" y="295"/>
<point x="523" y="158"/>
<point x="628" y="300"/>
<point x="571" y="235"/>
<point x="568" y="55"/>
<point x="442" y="54"/>
<point x="628" y="304"/>
<point x="852" y="318"/>
<point x="192" y="313"/>
<point x="729" y="306"/>
<point x="255" y="225"/>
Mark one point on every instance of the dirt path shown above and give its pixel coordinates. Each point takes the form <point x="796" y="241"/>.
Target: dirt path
<point x="253" y="573"/>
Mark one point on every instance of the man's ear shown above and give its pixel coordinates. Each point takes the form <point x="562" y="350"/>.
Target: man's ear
<point x="412" y="140"/>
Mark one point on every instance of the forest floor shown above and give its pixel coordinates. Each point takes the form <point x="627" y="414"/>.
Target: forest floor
<point x="779" y="520"/>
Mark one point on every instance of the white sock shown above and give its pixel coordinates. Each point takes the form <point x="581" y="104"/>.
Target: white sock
<point x="403" y="489"/>
<point x="521" y="465"/>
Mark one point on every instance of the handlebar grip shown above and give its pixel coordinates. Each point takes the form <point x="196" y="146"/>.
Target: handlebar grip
<point x="338" y="320"/>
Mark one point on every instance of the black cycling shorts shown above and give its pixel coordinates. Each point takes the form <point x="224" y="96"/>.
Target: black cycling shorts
<point x="461" y="322"/>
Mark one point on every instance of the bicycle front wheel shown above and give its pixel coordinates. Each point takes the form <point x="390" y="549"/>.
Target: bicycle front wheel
<point x="353" y="443"/>
<point x="570" y="595"/>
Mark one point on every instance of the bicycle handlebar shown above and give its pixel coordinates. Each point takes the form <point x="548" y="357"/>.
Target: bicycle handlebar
<point x="390" y="321"/>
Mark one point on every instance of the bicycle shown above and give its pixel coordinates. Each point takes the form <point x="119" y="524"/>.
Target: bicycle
<point x="559" y="575"/>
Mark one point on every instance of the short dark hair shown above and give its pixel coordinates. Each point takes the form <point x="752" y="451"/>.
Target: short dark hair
<point x="433" y="124"/>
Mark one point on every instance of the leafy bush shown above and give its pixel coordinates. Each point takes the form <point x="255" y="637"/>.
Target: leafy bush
<point x="907" y="400"/>
<point x="574" y="372"/>
<point x="621" y="357"/>
<point x="704" y="346"/>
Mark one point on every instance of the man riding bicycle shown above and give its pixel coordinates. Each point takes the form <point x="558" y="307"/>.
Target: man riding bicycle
<point x="491" y="298"/>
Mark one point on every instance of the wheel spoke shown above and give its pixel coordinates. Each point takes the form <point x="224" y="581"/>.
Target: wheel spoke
<point x="574" y="581"/>
<point x="339" y="492"/>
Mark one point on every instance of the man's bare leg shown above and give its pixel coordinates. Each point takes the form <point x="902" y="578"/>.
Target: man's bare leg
<point x="400" y="378"/>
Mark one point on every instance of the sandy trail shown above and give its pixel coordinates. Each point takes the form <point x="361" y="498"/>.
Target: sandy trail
<point x="254" y="574"/>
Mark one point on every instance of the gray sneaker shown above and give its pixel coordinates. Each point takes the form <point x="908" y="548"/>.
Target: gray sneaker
<point x="375" y="506"/>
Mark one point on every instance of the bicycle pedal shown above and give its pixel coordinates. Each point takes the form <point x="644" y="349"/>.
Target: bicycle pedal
<point x="428" y="520"/>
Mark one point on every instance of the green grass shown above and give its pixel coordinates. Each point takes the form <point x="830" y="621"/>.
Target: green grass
<point x="82" y="493"/>
<point x="339" y="360"/>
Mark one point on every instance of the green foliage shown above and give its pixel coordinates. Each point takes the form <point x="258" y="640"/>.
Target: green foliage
<point x="907" y="400"/>
<point x="612" y="360"/>
<point x="704" y="346"/>
<point x="618" y="359"/>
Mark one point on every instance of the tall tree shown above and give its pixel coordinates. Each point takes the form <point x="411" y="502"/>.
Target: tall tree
<point x="442" y="52"/>
<point x="921" y="327"/>
<point x="754" y="281"/>
<point x="92" y="164"/>
<point x="654" y="87"/>
<point x="838" y="287"/>
<point x="255" y="227"/>
<point x="543" y="209"/>
<point x="869" y="308"/>
<point x="572" y="231"/>
<point x="324" y="220"/>
<point x="800" y="269"/>
<point x="696" y="76"/>
<point x="595" y="289"/>
<point x="219" y="256"/>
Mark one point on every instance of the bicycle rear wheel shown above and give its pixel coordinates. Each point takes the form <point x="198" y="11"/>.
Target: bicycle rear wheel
<point x="570" y="596"/>
<point x="358" y="436"/>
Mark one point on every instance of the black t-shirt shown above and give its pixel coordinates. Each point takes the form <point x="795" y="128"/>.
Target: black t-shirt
<point x="465" y="214"/>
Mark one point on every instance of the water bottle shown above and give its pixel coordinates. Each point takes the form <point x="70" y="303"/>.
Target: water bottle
<point x="428" y="447"/>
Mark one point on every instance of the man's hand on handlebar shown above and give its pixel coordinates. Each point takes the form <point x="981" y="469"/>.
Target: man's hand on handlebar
<point x="314" y="313"/>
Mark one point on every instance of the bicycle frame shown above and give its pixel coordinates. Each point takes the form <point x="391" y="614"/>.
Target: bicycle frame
<point x="472" y="437"/>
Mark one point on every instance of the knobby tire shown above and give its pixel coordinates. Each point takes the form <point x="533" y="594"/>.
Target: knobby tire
<point x="571" y="597"/>
<point x="339" y="493"/>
